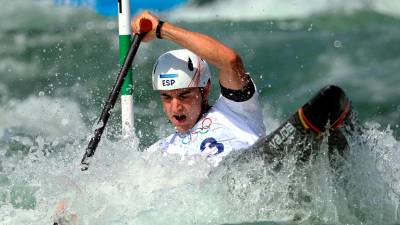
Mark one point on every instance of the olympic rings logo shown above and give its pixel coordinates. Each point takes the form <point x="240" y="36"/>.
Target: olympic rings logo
<point x="192" y="136"/>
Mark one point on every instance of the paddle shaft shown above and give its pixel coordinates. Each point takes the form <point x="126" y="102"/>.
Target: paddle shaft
<point x="113" y="96"/>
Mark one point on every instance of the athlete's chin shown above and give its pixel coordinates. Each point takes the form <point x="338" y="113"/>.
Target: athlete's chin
<point x="181" y="126"/>
<point x="181" y="129"/>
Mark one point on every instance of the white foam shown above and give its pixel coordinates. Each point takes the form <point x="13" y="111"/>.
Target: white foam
<point x="51" y="117"/>
<point x="390" y="7"/>
<point x="341" y="70"/>
<point x="124" y="186"/>
<point x="274" y="9"/>
<point x="13" y="68"/>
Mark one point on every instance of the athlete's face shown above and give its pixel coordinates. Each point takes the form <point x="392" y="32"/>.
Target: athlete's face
<point x="182" y="106"/>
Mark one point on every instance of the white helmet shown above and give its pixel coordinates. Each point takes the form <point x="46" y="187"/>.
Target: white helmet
<point x="180" y="69"/>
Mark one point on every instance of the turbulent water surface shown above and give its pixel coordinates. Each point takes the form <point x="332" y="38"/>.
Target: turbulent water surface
<point x="57" y="64"/>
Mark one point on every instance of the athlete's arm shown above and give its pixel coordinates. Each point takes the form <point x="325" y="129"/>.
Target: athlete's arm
<point x="232" y="75"/>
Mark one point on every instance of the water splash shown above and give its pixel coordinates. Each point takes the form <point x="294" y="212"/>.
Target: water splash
<point x="126" y="186"/>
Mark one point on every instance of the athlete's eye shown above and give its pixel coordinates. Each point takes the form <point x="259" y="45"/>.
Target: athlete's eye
<point x="183" y="96"/>
<point x="165" y="97"/>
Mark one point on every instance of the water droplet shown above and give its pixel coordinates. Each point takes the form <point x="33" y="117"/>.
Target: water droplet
<point x="64" y="121"/>
<point x="140" y="134"/>
<point x="111" y="25"/>
<point x="337" y="44"/>
<point x="310" y="27"/>
<point x="40" y="141"/>
<point x="152" y="104"/>
<point x="41" y="93"/>
<point x="89" y="25"/>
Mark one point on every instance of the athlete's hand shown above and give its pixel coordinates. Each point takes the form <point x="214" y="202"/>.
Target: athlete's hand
<point x="62" y="217"/>
<point x="154" y="22"/>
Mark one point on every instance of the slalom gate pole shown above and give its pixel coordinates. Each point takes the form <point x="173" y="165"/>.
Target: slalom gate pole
<point x="124" y="30"/>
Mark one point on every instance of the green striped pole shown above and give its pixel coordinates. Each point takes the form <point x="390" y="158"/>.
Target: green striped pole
<point x="124" y="29"/>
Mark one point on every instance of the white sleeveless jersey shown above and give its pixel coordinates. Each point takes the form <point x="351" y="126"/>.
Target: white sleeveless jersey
<point x="227" y="126"/>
